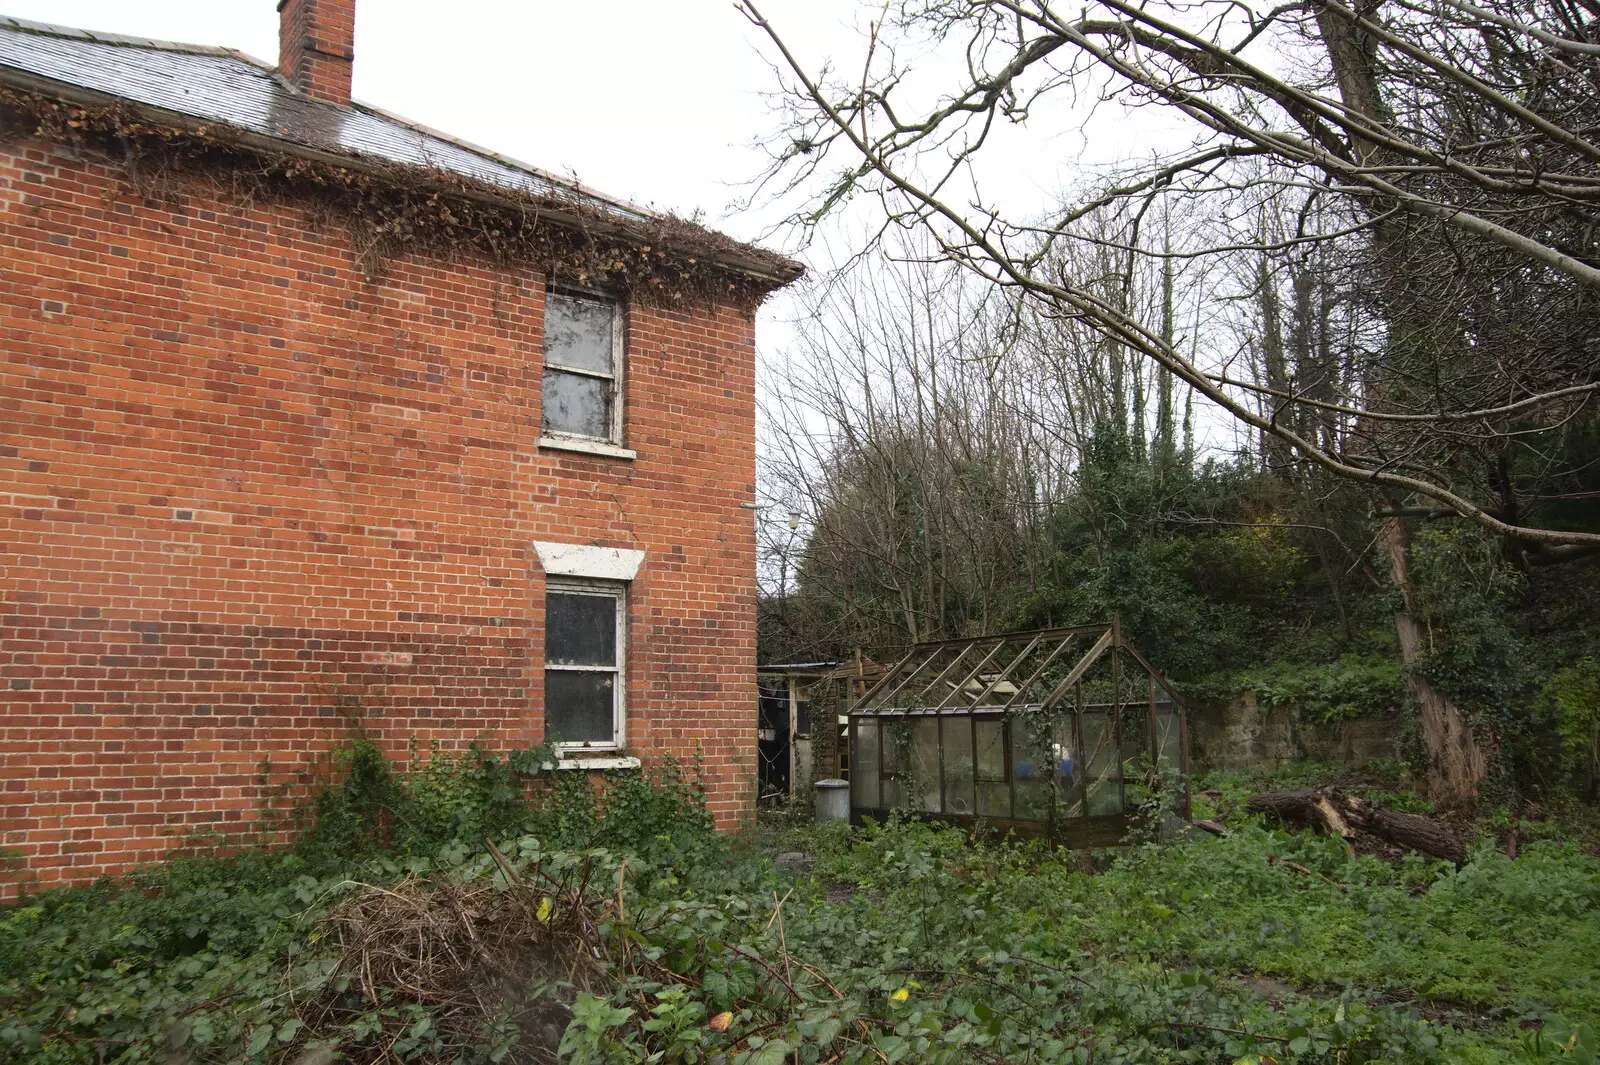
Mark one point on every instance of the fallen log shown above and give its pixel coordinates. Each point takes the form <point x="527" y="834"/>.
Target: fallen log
<point x="1425" y="835"/>
<point x="1331" y="817"/>
<point x="1342" y="815"/>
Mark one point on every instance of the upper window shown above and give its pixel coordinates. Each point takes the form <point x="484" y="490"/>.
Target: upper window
<point x="584" y="663"/>
<point x="583" y="345"/>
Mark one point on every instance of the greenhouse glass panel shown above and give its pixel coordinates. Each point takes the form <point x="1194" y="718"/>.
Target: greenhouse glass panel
<point x="991" y="749"/>
<point x="864" y="765"/>
<point x="894" y="758"/>
<point x="1068" y="771"/>
<point x="959" y="796"/>
<point x="924" y="782"/>
<point x="994" y="786"/>
<point x="1138" y="744"/>
<point x="1169" y="735"/>
<point x="1032" y="765"/>
<point x="994" y="799"/>
<point x="1102" y="783"/>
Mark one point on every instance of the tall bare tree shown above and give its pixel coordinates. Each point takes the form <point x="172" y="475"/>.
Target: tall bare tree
<point x="925" y="428"/>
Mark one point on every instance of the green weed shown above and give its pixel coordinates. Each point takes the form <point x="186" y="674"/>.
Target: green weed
<point x="905" y="942"/>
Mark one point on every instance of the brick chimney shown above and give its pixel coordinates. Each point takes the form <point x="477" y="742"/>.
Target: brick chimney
<point x="316" y="46"/>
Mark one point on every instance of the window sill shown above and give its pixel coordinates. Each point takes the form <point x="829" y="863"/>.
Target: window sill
<point x="615" y="761"/>
<point x="587" y="447"/>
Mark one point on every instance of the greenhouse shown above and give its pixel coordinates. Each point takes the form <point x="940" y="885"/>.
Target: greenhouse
<point x="1069" y="734"/>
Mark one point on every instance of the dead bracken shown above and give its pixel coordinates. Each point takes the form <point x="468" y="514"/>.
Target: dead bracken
<point x="506" y="954"/>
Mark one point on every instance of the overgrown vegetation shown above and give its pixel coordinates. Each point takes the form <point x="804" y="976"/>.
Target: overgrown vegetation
<point x="1572" y="697"/>
<point x="373" y="812"/>
<point x="392" y="209"/>
<point x="611" y="926"/>
<point x="209" y="957"/>
<point x="1350" y="686"/>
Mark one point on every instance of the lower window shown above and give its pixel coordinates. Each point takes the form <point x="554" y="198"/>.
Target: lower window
<point x="585" y="626"/>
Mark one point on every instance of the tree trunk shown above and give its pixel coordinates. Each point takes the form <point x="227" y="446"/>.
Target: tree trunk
<point x="1413" y="832"/>
<point x="1343" y="815"/>
<point x="1165" y="450"/>
<point x="1275" y="453"/>
<point x="1456" y="761"/>
<point x="1333" y="586"/>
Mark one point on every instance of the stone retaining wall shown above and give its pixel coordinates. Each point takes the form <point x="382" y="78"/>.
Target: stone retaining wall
<point x="1239" y="734"/>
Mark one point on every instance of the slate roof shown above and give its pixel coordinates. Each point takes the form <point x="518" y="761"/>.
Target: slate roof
<point x="223" y="85"/>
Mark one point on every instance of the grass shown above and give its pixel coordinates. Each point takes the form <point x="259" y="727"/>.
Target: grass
<point x="1481" y="954"/>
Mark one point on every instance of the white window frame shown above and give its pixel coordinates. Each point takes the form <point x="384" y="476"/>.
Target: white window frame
<point x="617" y="591"/>
<point x="549" y="437"/>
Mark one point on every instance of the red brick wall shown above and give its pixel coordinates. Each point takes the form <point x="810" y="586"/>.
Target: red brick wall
<point x="248" y="496"/>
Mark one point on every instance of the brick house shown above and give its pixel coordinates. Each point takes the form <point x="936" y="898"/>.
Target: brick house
<point x="313" y="419"/>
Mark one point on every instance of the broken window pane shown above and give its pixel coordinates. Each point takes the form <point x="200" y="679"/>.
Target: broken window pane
<point x="580" y="707"/>
<point x="1032" y="764"/>
<point x="580" y="630"/>
<point x="1068" y="773"/>
<point x="773" y="708"/>
<point x="889" y="757"/>
<point x="991" y="751"/>
<point x="895" y="752"/>
<point x="576" y="404"/>
<point x="1169" y="737"/>
<point x="994" y="800"/>
<point x="1136" y="739"/>
<point x="1103" y="785"/>
<point x="578" y="333"/>
<point x="894" y="794"/>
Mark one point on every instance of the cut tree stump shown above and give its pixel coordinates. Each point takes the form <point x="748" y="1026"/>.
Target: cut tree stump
<point x="1342" y="815"/>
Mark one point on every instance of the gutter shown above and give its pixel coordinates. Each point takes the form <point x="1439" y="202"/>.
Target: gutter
<point x="461" y="185"/>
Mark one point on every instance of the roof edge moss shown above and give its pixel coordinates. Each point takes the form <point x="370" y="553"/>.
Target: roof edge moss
<point x="107" y="114"/>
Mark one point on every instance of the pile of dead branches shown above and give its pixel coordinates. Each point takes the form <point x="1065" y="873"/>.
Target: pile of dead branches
<point x="491" y="960"/>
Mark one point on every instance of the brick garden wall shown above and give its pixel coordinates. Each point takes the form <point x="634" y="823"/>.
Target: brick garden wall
<point x="249" y="497"/>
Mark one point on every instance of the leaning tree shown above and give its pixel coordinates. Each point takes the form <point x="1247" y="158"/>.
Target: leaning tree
<point x="1443" y="153"/>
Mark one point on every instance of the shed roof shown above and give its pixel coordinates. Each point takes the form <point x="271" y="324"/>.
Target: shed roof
<point x="224" y="86"/>
<point x="797" y="667"/>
